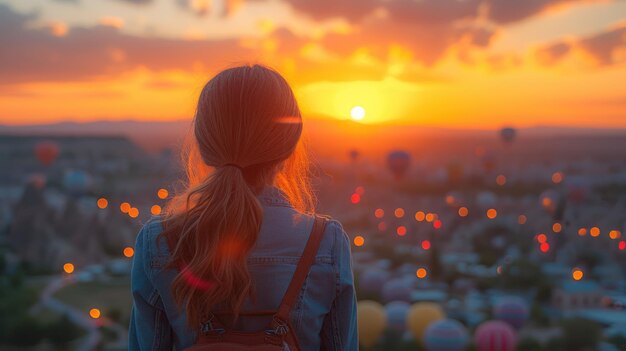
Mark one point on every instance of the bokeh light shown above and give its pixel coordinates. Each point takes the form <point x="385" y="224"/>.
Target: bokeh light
<point x="162" y="193"/>
<point x="492" y="213"/>
<point x="430" y="217"/>
<point x="501" y="180"/>
<point x="401" y="230"/>
<point x="426" y="244"/>
<point x="94" y="313"/>
<point x="129" y="252"/>
<point x="359" y="241"/>
<point x="557" y="177"/>
<point x="399" y="212"/>
<point x="463" y="212"/>
<point x="594" y="231"/>
<point x="125" y="207"/>
<point x="155" y="210"/>
<point x="420" y="216"/>
<point x="521" y="219"/>
<point x="421" y="273"/>
<point x="557" y="227"/>
<point x="615" y="234"/>
<point x="133" y="212"/>
<point x="68" y="268"/>
<point x="437" y="224"/>
<point x="582" y="231"/>
<point x="577" y="274"/>
<point x="379" y="213"/>
<point x="355" y="198"/>
<point x="102" y="203"/>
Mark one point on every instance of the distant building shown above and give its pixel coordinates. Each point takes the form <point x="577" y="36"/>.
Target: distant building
<point x="573" y="295"/>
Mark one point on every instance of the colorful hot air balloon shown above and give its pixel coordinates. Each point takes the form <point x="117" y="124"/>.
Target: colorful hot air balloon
<point x="396" y="312"/>
<point x="46" y="152"/>
<point x="354" y="155"/>
<point x="76" y="181"/>
<point x="398" y="163"/>
<point x="397" y="289"/>
<point x="495" y="336"/>
<point x="446" y="335"/>
<point x="508" y="134"/>
<point x="371" y="281"/>
<point x="372" y="321"/>
<point x="421" y="315"/>
<point x="512" y="310"/>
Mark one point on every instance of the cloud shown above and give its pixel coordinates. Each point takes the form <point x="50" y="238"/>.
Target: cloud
<point x="85" y="53"/>
<point x="553" y="53"/>
<point x="604" y="48"/>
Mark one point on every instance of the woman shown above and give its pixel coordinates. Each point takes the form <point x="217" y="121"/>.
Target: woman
<point x="232" y="240"/>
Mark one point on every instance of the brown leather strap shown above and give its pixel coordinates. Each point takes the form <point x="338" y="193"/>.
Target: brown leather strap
<point x="302" y="270"/>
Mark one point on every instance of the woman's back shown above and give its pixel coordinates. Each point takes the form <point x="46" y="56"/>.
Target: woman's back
<point x="324" y="316"/>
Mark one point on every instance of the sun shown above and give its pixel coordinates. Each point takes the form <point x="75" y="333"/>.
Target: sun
<point x="357" y="113"/>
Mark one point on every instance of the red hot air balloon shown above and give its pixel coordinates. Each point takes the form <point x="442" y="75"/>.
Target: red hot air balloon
<point x="398" y="163"/>
<point x="46" y="152"/>
<point x="495" y="336"/>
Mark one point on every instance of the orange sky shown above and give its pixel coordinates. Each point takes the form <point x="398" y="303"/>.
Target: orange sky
<point x="476" y="63"/>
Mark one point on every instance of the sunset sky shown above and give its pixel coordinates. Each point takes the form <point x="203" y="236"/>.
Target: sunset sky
<point x="450" y="63"/>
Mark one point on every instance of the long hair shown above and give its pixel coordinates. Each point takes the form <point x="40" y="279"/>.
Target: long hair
<point x="247" y="117"/>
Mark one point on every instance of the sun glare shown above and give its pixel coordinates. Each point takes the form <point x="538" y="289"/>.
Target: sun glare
<point x="357" y="113"/>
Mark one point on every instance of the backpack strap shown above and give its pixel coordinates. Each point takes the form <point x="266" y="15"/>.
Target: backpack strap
<point x="281" y="318"/>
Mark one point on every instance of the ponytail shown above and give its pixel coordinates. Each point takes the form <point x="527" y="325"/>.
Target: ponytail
<point x="240" y="144"/>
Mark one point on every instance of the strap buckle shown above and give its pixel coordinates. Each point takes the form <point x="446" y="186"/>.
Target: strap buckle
<point x="280" y="328"/>
<point x="209" y="326"/>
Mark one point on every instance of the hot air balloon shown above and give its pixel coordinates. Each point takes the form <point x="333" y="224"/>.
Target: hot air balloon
<point x="488" y="161"/>
<point x="372" y="281"/>
<point x="454" y="172"/>
<point x="398" y="163"/>
<point x="446" y="335"/>
<point x="577" y="190"/>
<point x="354" y="155"/>
<point x="372" y="321"/>
<point x="76" y="181"/>
<point x="495" y="336"/>
<point x="396" y="312"/>
<point x="46" y="152"/>
<point x="508" y="134"/>
<point x="421" y="315"/>
<point x="397" y="289"/>
<point x="486" y="199"/>
<point x="554" y="203"/>
<point x="512" y="310"/>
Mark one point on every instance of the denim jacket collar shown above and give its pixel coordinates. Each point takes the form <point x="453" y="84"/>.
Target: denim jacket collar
<point x="273" y="196"/>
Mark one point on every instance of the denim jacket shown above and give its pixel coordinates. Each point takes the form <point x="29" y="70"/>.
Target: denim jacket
<point x="324" y="317"/>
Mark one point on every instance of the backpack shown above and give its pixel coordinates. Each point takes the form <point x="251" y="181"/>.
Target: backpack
<point x="279" y="334"/>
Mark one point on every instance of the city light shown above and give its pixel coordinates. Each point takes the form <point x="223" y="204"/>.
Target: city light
<point x="68" y="268"/>
<point x="129" y="252"/>
<point x="162" y="193"/>
<point x="379" y="213"/>
<point x="94" y="313"/>
<point x="399" y="212"/>
<point x="463" y="212"/>
<point x="359" y="241"/>
<point x="102" y="203"/>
